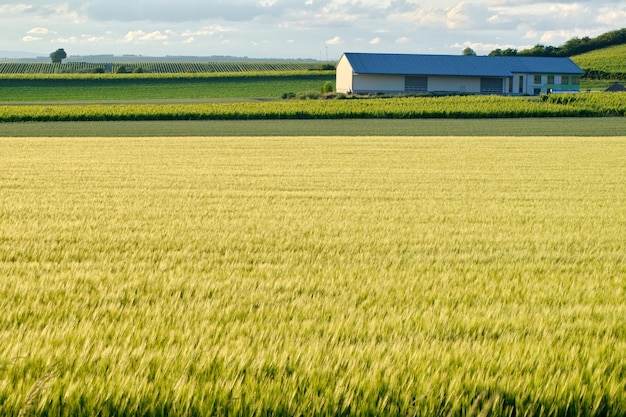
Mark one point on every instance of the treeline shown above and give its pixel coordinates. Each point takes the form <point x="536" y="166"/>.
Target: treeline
<point x="572" y="47"/>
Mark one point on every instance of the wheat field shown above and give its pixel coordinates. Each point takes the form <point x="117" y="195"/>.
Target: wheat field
<point x="313" y="276"/>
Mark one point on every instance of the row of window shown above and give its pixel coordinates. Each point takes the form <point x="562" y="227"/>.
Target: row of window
<point x="551" y="80"/>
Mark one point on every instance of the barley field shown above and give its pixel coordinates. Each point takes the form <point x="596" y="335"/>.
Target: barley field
<point x="339" y="276"/>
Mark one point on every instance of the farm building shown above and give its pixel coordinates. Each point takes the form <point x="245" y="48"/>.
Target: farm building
<point x="364" y="73"/>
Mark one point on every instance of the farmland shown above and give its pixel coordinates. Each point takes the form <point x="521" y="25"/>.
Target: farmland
<point x="607" y="62"/>
<point x="591" y="104"/>
<point x="328" y="276"/>
<point x="307" y="257"/>
<point x="146" y="87"/>
<point x="153" y="67"/>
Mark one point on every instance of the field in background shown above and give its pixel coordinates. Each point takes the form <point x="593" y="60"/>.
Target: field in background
<point x="328" y="276"/>
<point x="154" y="67"/>
<point x="149" y="87"/>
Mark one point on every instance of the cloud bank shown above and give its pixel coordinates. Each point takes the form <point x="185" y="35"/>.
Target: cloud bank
<point x="299" y="28"/>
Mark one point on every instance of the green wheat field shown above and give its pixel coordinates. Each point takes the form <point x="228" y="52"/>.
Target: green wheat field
<point x="346" y="276"/>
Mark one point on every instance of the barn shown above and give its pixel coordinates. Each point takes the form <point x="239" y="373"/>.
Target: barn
<point x="366" y="73"/>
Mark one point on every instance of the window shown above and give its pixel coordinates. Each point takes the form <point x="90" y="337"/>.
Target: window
<point x="537" y="79"/>
<point x="576" y="80"/>
<point x="550" y="79"/>
<point x="521" y="83"/>
<point x="564" y="79"/>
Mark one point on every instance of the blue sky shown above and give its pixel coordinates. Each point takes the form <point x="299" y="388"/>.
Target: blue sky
<point x="297" y="28"/>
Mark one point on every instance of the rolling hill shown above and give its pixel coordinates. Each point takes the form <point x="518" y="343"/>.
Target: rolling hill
<point x="611" y="59"/>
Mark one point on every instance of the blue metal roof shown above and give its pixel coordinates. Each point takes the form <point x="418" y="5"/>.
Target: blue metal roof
<point x="458" y="65"/>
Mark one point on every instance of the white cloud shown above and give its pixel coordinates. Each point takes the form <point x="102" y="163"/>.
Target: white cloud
<point x="468" y="16"/>
<point x="334" y="41"/>
<point x="198" y="27"/>
<point x="92" y="39"/>
<point x="531" y="34"/>
<point x="557" y="37"/>
<point x="70" y="40"/>
<point x="421" y="17"/>
<point x="213" y="30"/>
<point x="563" y="10"/>
<point x="39" y="31"/>
<point x="481" y="48"/>
<point x="65" y="11"/>
<point x="14" y="8"/>
<point x="611" y="16"/>
<point x="31" y="38"/>
<point x="139" y="36"/>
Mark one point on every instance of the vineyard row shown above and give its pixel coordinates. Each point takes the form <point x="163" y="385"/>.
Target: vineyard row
<point x="152" y="67"/>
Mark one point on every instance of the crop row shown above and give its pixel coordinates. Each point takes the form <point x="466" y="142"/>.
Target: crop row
<point x="582" y="105"/>
<point x="158" y="76"/>
<point x="152" y="67"/>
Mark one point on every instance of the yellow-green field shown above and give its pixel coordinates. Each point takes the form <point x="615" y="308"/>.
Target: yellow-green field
<point x="313" y="276"/>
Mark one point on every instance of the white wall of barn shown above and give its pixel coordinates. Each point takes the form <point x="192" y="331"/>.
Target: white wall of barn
<point x="343" y="78"/>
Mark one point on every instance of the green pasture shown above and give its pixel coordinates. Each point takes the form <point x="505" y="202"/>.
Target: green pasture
<point x="148" y="87"/>
<point x="587" y="126"/>
<point x="313" y="276"/>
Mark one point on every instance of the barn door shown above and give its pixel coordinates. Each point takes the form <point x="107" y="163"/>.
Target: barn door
<point x="415" y="84"/>
<point x="491" y="85"/>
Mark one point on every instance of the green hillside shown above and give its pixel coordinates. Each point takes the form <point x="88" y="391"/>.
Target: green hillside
<point x="611" y="59"/>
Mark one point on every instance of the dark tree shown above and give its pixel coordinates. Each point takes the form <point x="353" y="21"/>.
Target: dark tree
<point x="506" y="52"/>
<point x="469" y="52"/>
<point x="58" y="56"/>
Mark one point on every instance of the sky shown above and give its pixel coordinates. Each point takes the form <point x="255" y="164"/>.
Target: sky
<point x="290" y="29"/>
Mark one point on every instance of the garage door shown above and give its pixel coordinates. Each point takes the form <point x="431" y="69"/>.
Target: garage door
<point x="415" y="84"/>
<point x="491" y="85"/>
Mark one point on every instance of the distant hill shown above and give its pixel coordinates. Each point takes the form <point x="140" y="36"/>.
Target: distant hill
<point x="16" y="55"/>
<point x="611" y="59"/>
<point x="604" y="64"/>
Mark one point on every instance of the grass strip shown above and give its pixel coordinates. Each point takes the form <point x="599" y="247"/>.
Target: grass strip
<point x="613" y="126"/>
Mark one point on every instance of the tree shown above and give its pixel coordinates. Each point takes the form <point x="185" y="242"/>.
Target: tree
<point x="469" y="52"/>
<point x="506" y="52"/>
<point x="58" y="56"/>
